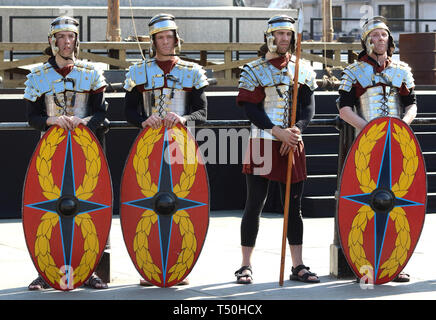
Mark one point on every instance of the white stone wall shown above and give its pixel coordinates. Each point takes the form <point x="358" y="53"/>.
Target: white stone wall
<point x="126" y="3"/>
<point x="199" y="24"/>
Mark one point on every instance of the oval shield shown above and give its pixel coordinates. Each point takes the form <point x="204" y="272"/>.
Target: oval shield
<point x="164" y="204"/>
<point x="382" y="200"/>
<point x="67" y="206"/>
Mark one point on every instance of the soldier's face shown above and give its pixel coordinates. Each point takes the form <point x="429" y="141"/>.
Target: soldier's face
<point x="165" y="43"/>
<point x="66" y="41"/>
<point x="380" y="40"/>
<point x="282" y="39"/>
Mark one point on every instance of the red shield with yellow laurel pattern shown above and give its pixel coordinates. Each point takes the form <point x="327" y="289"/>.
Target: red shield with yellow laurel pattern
<point x="382" y="200"/>
<point x="67" y="206"/>
<point x="164" y="204"/>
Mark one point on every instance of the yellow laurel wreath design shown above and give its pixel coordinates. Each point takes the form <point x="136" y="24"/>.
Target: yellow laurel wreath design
<point x="43" y="163"/>
<point x="51" y="191"/>
<point x="410" y="161"/>
<point x="140" y="161"/>
<point x="190" y="163"/>
<point x="140" y="246"/>
<point x="42" y="247"/>
<point x="90" y="247"/>
<point x="148" y="218"/>
<point x="362" y="156"/>
<point x="189" y="246"/>
<point x="140" y="242"/>
<point x="93" y="163"/>
<point x="355" y="239"/>
<point x="182" y="218"/>
<point x="85" y="191"/>
<point x="402" y="243"/>
<point x="410" y="165"/>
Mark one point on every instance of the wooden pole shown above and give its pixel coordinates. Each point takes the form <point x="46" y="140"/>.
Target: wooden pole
<point x="113" y="30"/>
<point x="293" y="113"/>
<point x="327" y="21"/>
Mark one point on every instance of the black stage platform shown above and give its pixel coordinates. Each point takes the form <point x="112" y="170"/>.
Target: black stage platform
<point x="227" y="183"/>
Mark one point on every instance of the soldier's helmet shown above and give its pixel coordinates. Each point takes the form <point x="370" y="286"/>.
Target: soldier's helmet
<point x="377" y="22"/>
<point x="59" y="24"/>
<point x="163" y="22"/>
<point x="279" y="22"/>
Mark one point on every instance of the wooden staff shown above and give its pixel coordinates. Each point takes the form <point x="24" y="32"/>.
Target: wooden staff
<point x="293" y="113"/>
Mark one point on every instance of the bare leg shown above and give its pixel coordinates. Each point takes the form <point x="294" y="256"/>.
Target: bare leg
<point x="297" y="259"/>
<point x="246" y="261"/>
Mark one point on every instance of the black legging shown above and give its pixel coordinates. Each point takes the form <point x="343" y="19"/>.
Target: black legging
<point x="257" y="192"/>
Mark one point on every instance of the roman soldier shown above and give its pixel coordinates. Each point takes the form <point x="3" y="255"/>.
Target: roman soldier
<point x="164" y="89"/>
<point x="66" y="92"/>
<point x="376" y="85"/>
<point x="265" y="93"/>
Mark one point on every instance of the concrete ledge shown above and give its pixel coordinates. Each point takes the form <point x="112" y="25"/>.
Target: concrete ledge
<point x="196" y="24"/>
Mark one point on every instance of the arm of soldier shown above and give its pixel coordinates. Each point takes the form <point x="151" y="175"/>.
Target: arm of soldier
<point x="348" y="115"/>
<point x="62" y="121"/>
<point x="410" y="113"/>
<point x="306" y="111"/>
<point x="306" y="104"/>
<point x="36" y="116"/>
<point x="408" y="100"/>
<point x="197" y="104"/>
<point x="133" y="102"/>
<point x="251" y="95"/>
<point x="98" y="107"/>
<point x="257" y="115"/>
<point x="346" y="112"/>
<point x="38" y="119"/>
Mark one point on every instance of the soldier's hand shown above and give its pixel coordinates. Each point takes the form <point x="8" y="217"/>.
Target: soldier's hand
<point x="284" y="149"/>
<point x="62" y="121"/>
<point x="171" y="119"/>
<point x="75" y="121"/>
<point x="289" y="136"/>
<point x="152" y="121"/>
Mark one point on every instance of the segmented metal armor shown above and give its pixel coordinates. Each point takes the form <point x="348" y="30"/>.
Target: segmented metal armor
<point x="381" y="97"/>
<point x="278" y="89"/>
<point x="173" y="98"/>
<point x="64" y="96"/>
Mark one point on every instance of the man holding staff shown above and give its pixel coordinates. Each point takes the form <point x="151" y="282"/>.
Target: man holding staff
<point x="265" y="93"/>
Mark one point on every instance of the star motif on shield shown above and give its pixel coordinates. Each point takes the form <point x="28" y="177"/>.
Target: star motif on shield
<point x="165" y="203"/>
<point x="382" y="200"/>
<point x="68" y="206"/>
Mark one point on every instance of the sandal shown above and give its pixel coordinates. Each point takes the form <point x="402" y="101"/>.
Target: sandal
<point x="239" y="275"/>
<point x="94" y="282"/>
<point x="38" y="284"/>
<point x="305" y="277"/>
<point x="402" y="277"/>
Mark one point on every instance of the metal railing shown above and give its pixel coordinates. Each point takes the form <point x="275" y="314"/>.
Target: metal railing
<point x="225" y="72"/>
<point x="312" y="22"/>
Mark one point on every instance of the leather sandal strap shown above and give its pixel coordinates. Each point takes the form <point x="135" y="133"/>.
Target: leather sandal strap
<point x="93" y="281"/>
<point x="238" y="273"/>
<point x="300" y="267"/>
<point x="39" y="282"/>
